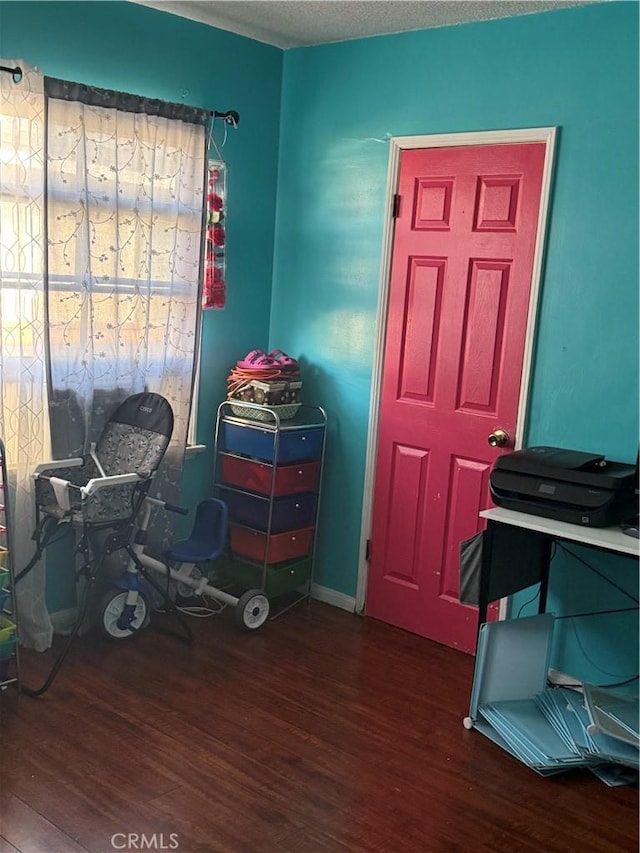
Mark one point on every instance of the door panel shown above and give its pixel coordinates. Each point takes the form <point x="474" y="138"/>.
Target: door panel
<point x="408" y="483"/>
<point x="458" y="305"/>
<point x="420" y="330"/>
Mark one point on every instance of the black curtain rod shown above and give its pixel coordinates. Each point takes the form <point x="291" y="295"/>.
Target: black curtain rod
<point x="231" y="117"/>
<point x="16" y="72"/>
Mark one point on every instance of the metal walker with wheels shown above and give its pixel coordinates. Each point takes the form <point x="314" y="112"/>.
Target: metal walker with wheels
<point x="124" y="610"/>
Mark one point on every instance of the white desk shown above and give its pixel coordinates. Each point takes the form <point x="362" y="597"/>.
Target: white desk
<point x="516" y="552"/>
<point x="608" y="538"/>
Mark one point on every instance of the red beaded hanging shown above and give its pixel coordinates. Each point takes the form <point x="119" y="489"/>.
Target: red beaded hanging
<point x="214" y="292"/>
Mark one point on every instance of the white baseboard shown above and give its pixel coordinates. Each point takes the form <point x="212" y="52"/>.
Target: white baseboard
<point x="333" y="597"/>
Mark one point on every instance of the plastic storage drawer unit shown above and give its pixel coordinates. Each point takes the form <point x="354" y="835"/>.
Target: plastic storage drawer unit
<point x="282" y="546"/>
<point x="256" y="476"/>
<point x="8" y="641"/>
<point x="287" y="513"/>
<point x="280" y="579"/>
<point x="294" y="445"/>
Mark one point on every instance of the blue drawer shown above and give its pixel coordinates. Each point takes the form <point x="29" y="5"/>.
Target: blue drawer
<point x="293" y="446"/>
<point x="252" y="510"/>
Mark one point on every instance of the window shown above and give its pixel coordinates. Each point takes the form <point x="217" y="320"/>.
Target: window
<point x="125" y="217"/>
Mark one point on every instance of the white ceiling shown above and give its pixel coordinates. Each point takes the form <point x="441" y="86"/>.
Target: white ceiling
<point x="295" y="24"/>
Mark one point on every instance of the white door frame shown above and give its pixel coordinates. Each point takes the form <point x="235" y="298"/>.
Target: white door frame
<point x="446" y="140"/>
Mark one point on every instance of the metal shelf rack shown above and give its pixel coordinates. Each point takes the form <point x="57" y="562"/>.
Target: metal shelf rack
<point x="268" y="470"/>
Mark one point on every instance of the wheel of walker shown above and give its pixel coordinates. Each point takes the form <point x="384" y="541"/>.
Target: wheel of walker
<point x="252" y="610"/>
<point x="109" y="610"/>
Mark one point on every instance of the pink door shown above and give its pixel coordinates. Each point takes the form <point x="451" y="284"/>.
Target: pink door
<point x="460" y="282"/>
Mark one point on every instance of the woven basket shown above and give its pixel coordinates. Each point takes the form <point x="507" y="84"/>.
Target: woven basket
<point x="264" y="412"/>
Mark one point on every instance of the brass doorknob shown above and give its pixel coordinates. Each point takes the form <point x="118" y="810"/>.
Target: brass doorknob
<point x="498" y="438"/>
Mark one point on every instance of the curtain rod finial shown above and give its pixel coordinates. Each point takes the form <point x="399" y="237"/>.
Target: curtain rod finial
<point x="16" y="73"/>
<point x="230" y="117"/>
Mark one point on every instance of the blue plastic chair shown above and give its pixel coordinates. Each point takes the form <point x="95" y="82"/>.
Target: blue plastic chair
<point x="208" y="536"/>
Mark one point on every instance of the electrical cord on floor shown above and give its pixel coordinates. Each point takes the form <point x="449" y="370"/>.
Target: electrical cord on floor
<point x="212" y="608"/>
<point x="203" y="612"/>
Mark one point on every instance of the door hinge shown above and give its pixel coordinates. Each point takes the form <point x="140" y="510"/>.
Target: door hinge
<point x="367" y="553"/>
<point x="395" y="211"/>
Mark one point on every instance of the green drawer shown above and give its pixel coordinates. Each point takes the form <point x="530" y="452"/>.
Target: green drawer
<point x="284" y="578"/>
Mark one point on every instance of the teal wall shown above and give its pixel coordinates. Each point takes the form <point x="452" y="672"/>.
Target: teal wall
<point x="130" y="48"/>
<point x="576" y="69"/>
<point x="317" y="121"/>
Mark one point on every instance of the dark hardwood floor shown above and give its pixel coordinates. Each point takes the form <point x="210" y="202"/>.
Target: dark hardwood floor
<point x="321" y="733"/>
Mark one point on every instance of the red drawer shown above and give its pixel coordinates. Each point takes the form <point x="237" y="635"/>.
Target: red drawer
<point x="256" y="476"/>
<point x="282" y="546"/>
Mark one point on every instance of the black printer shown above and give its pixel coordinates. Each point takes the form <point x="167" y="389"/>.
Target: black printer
<point x="568" y="485"/>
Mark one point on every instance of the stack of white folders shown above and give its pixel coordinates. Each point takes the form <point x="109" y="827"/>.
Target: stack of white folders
<point x="551" y="730"/>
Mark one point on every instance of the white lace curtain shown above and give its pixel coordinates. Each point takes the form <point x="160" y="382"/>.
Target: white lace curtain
<point x="126" y="206"/>
<point x="125" y="211"/>
<point x="24" y="422"/>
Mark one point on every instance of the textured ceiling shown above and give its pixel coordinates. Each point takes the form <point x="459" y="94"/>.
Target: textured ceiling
<point x="296" y="24"/>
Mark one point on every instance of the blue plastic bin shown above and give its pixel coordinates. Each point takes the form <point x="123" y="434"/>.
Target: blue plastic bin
<point x="257" y="443"/>
<point x="288" y="513"/>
